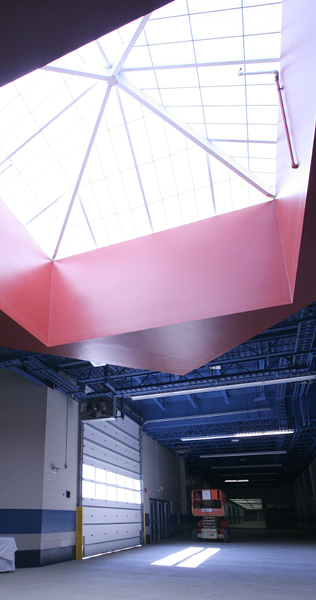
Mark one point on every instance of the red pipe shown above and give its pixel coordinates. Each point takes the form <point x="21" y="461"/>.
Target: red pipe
<point x="277" y="81"/>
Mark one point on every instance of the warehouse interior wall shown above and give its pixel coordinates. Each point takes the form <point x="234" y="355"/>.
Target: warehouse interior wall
<point x="164" y="479"/>
<point x="304" y="489"/>
<point x="38" y="472"/>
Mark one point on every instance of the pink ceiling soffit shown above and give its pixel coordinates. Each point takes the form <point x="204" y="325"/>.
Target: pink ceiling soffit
<point x="176" y="299"/>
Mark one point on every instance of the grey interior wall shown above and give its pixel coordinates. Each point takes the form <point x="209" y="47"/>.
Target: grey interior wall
<point x="305" y="499"/>
<point x="34" y="507"/>
<point x="163" y="478"/>
<point x="60" y="478"/>
<point x="278" y="503"/>
<point x="22" y="437"/>
<point x="61" y="451"/>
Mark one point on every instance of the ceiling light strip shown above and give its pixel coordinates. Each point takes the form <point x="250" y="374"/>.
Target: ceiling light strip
<point x="209" y="415"/>
<point x="234" y="454"/>
<point x="229" y="386"/>
<point x="242" y="435"/>
<point x="236" y="480"/>
<point x="193" y="135"/>
<point x="268" y="465"/>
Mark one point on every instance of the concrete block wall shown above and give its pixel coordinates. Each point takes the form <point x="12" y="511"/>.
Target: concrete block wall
<point x="163" y="479"/>
<point x="34" y="505"/>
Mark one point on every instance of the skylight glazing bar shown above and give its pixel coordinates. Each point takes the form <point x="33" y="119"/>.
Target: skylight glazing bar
<point x="225" y="63"/>
<point x="83" y="166"/>
<point x="194" y="136"/>
<point x="98" y="43"/>
<point x="245" y="82"/>
<point x="118" y="65"/>
<point x="134" y="158"/>
<point x="46" y="208"/>
<point x="87" y="220"/>
<point x="209" y="169"/>
<point x="208" y="162"/>
<point x="48" y="123"/>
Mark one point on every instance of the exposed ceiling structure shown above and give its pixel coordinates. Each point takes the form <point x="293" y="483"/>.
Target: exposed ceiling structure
<point x="207" y="315"/>
<point x="251" y="414"/>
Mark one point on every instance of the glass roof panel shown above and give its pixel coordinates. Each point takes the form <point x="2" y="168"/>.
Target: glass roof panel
<point x="84" y="166"/>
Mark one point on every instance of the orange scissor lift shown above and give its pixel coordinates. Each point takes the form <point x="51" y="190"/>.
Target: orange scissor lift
<point x="211" y="507"/>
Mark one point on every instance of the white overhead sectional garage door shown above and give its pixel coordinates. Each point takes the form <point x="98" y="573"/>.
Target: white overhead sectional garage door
<point x="111" y="486"/>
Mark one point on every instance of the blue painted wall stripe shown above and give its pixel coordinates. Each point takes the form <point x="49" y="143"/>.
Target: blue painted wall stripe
<point x="14" y="520"/>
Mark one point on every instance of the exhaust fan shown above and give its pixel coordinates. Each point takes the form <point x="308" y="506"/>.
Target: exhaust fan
<point x="103" y="407"/>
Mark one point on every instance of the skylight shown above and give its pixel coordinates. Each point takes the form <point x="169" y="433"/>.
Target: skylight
<point x="148" y="128"/>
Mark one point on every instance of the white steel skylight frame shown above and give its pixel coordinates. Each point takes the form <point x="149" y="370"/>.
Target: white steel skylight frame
<point x="73" y="211"/>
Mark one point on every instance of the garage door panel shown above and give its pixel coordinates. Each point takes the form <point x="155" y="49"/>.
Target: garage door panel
<point x="99" y="439"/>
<point x="107" y="504"/>
<point x="102" y="516"/>
<point x="100" y="533"/>
<point x="102" y="464"/>
<point x="117" y="429"/>
<point x="93" y="549"/>
<point x="104" y="454"/>
<point x="108" y="524"/>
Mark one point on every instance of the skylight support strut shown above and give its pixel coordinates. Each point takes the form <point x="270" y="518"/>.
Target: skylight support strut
<point x="83" y="167"/>
<point x="118" y="65"/>
<point x="134" y="159"/>
<point x="193" y="135"/>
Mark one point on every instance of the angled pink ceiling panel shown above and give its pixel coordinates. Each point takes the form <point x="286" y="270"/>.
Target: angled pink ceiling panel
<point x="25" y="277"/>
<point x="228" y="264"/>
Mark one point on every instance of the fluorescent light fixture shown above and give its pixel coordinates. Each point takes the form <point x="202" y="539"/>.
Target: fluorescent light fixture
<point x="197" y="560"/>
<point x="237" y="435"/>
<point x="245" y="466"/>
<point x="234" y="454"/>
<point x="227" y="386"/>
<point x="171" y="560"/>
<point x="236" y="480"/>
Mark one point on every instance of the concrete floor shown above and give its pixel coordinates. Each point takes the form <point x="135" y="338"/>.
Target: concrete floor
<point x="255" y="566"/>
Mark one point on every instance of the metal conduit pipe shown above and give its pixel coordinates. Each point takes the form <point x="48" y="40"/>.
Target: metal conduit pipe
<point x="276" y="74"/>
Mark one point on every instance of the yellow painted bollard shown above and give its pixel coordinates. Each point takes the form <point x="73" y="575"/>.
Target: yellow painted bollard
<point x="79" y="533"/>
